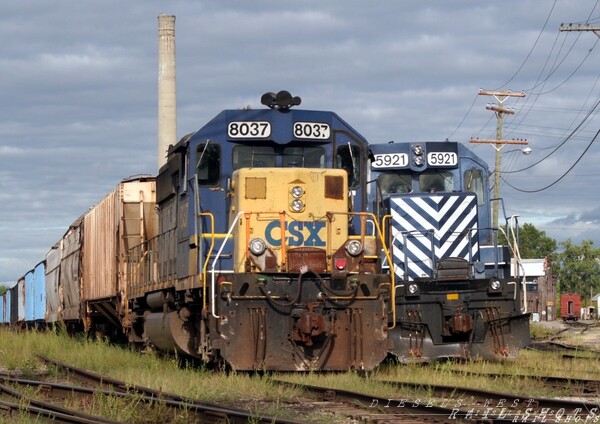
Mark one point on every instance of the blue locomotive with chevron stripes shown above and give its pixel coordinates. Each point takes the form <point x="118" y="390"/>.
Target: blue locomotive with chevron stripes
<point x="454" y="294"/>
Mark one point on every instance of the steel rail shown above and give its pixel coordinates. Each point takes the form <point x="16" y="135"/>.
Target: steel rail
<point x="479" y="397"/>
<point x="416" y="408"/>
<point x="169" y="399"/>
<point x="40" y="408"/>
<point x="589" y="385"/>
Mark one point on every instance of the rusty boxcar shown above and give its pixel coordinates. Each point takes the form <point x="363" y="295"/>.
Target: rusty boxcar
<point x="570" y="306"/>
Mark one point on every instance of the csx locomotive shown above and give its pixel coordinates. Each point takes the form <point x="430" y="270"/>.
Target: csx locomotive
<point x="455" y="296"/>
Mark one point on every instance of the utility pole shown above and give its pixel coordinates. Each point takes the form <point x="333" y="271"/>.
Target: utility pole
<point x="580" y="27"/>
<point x="498" y="143"/>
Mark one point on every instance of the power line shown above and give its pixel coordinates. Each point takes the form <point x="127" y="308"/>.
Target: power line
<point x="465" y="117"/>
<point x="532" y="47"/>
<point x="561" y="177"/>
<point x="562" y="143"/>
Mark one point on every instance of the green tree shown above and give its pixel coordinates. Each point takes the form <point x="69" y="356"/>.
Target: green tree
<point x="578" y="268"/>
<point x="533" y="243"/>
<point x="3" y="289"/>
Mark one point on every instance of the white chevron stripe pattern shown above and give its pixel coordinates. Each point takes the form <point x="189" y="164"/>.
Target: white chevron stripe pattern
<point x="446" y="221"/>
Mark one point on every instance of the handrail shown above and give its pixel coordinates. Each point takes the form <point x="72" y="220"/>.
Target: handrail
<point x="210" y="250"/>
<point x="213" y="306"/>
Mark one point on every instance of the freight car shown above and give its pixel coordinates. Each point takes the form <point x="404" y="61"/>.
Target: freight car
<point x="81" y="281"/>
<point x="5" y="308"/>
<point x="264" y="258"/>
<point x="570" y="306"/>
<point x="86" y="269"/>
<point x="455" y="296"/>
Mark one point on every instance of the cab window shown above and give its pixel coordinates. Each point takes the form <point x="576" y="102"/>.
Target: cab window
<point x="394" y="183"/>
<point x="473" y="181"/>
<point x="304" y="157"/>
<point x="434" y="181"/>
<point x="348" y="158"/>
<point x="253" y="157"/>
<point x="208" y="164"/>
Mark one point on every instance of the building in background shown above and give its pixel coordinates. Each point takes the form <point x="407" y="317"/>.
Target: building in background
<point x="540" y="286"/>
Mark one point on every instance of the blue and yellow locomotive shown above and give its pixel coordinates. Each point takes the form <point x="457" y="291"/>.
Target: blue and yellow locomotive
<point x="454" y="296"/>
<point x="264" y="259"/>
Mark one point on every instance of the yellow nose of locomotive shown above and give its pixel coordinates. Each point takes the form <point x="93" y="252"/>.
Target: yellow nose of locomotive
<point x="292" y="217"/>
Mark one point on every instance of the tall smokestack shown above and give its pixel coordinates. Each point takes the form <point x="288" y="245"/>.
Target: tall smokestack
<point x="167" y="96"/>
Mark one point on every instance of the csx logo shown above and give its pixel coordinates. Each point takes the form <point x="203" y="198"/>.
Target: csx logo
<point x="301" y="233"/>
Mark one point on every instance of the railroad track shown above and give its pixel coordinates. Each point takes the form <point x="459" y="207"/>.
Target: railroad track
<point x="170" y="405"/>
<point x="37" y="409"/>
<point x="449" y="404"/>
<point x="554" y="346"/>
<point x="577" y="386"/>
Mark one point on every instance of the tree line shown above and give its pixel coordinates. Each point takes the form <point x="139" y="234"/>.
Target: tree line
<point x="577" y="267"/>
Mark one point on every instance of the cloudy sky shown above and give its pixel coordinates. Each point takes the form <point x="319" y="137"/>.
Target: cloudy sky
<point x="78" y="88"/>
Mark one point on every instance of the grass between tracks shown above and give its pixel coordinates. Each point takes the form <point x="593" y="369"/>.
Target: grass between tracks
<point x="255" y="392"/>
<point x="18" y="352"/>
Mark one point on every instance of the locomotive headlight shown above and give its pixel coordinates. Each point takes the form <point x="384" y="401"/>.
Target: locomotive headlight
<point x="417" y="149"/>
<point x="495" y="285"/>
<point x="297" y="191"/>
<point x="413" y="289"/>
<point x="354" y="247"/>
<point x="297" y="205"/>
<point x="257" y="246"/>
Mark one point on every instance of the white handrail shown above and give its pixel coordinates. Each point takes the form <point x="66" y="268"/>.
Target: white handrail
<point x="213" y="305"/>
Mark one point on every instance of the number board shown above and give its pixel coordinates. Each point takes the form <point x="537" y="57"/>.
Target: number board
<point x="249" y="129"/>
<point x="390" y="160"/>
<point x="312" y="130"/>
<point x="442" y="159"/>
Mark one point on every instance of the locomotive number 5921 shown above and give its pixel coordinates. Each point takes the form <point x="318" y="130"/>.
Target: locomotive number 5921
<point x="442" y="159"/>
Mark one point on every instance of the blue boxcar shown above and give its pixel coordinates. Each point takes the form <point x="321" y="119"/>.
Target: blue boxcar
<point x="35" y="294"/>
<point x="39" y="292"/>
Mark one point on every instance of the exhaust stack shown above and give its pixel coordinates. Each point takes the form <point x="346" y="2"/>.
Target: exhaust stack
<point x="167" y="91"/>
